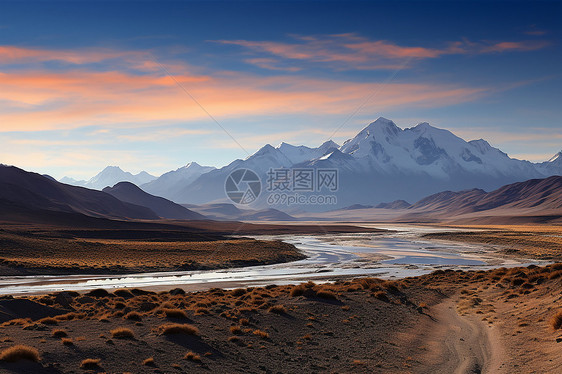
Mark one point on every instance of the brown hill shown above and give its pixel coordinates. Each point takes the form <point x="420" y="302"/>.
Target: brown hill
<point x="35" y="192"/>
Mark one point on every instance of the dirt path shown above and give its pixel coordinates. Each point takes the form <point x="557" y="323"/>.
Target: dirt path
<point x="459" y="344"/>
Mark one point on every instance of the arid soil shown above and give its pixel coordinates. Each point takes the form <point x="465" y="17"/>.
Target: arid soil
<point x="47" y="253"/>
<point x="120" y="247"/>
<point x="444" y="322"/>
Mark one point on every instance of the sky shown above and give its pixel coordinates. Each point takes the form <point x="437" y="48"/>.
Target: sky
<point x="155" y="85"/>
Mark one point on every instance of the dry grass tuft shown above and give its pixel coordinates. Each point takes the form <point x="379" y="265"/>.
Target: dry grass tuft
<point x="191" y="356"/>
<point x="122" y="333"/>
<point x="298" y="290"/>
<point x="90" y="364"/>
<point x="175" y="313"/>
<point x="326" y="294"/>
<point x="261" y="334"/>
<point x="149" y="362"/>
<point x="381" y="295"/>
<point x="202" y="311"/>
<point x="59" y="333"/>
<point x="133" y="316"/>
<point x="556" y="321"/>
<point x="176" y="328"/>
<point x="18" y="353"/>
<point x="278" y="309"/>
<point x="238" y="292"/>
<point x="48" y="321"/>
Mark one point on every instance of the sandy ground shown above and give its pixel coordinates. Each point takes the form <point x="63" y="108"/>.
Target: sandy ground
<point x="445" y="322"/>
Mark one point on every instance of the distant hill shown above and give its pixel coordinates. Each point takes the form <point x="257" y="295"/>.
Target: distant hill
<point x="534" y="194"/>
<point x="128" y="192"/>
<point x="32" y="191"/>
<point x="170" y="184"/>
<point x="109" y="177"/>
<point x="396" y="204"/>
<point x="534" y="200"/>
<point x="228" y="212"/>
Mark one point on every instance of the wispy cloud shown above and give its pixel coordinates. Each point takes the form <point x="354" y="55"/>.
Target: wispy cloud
<point x="353" y="51"/>
<point x="44" y="98"/>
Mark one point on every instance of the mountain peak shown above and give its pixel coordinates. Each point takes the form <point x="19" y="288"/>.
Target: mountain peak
<point x="191" y="164"/>
<point x="112" y="168"/>
<point x="556" y="158"/>
<point x="380" y="122"/>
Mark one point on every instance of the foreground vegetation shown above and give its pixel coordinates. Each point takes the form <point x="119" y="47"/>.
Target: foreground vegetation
<point x="361" y="325"/>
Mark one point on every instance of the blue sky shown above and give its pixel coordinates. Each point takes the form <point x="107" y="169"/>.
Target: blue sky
<point x="84" y="85"/>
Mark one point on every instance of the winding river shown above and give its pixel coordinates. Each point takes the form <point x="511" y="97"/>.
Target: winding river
<point x="394" y="254"/>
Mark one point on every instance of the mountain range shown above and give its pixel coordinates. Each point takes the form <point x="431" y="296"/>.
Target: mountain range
<point x="29" y="194"/>
<point x="531" y="201"/>
<point x="110" y="176"/>
<point x="381" y="163"/>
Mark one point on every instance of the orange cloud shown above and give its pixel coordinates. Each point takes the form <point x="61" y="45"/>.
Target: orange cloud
<point x="12" y="54"/>
<point x="515" y="46"/>
<point x="352" y="51"/>
<point x="31" y="101"/>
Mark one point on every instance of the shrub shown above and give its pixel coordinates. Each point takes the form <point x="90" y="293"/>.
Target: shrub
<point x="326" y="294"/>
<point x="238" y="292"/>
<point x="381" y="295"/>
<point x="59" y="333"/>
<point x="236" y="330"/>
<point x="67" y="341"/>
<point x="123" y="293"/>
<point x="201" y="311"/>
<point x="100" y="292"/>
<point x="261" y="334"/>
<point x="176" y="328"/>
<point x="19" y="352"/>
<point x="191" y="356"/>
<point x="175" y="313"/>
<point x="278" y="309"/>
<point x="149" y="362"/>
<point x="90" y="364"/>
<point x="556" y="321"/>
<point x="133" y="316"/>
<point x="122" y="333"/>
<point x="297" y="290"/>
<point x="48" y="321"/>
<point x="120" y="305"/>
<point x="244" y="321"/>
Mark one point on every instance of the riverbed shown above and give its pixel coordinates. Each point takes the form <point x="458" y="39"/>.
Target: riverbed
<point x="398" y="253"/>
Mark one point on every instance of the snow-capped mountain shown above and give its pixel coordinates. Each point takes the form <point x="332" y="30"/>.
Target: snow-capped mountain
<point x="552" y="166"/>
<point x="384" y="163"/>
<point x="169" y="184"/>
<point x="209" y="187"/>
<point x="110" y="176"/>
<point x="381" y="163"/>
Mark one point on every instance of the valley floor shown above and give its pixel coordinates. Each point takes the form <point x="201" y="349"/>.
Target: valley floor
<point x="445" y="322"/>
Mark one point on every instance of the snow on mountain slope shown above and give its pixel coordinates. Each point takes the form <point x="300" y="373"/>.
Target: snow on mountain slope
<point x="110" y="176"/>
<point x="169" y="184"/>
<point x="426" y="149"/>
<point x="383" y="162"/>
<point x="552" y="166"/>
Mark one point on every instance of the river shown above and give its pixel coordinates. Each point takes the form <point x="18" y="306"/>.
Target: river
<point x="395" y="254"/>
